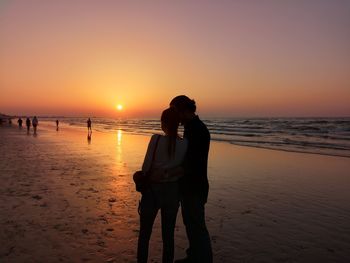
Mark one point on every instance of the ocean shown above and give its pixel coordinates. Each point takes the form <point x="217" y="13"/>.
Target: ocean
<point x="329" y="136"/>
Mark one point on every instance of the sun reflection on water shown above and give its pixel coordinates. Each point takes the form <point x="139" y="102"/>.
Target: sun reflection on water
<point x="119" y="137"/>
<point x="119" y="146"/>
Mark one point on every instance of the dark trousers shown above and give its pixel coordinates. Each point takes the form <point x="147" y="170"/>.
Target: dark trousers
<point x="193" y="213"/>
<point x="163" y="196"/>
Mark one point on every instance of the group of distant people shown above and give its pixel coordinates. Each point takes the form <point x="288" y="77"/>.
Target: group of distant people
<point x="35" y="124"/>
<point x="29" y="123"/>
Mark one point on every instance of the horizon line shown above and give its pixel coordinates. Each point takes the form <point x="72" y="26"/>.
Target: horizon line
<point x="154" y="117"/>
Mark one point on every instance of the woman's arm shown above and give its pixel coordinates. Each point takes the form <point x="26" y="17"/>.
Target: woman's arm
<point x="148" y="157"/>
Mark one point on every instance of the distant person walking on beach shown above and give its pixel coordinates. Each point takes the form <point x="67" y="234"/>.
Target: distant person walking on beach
<point x="89" y="125"/>
<point x="57" y="123"/>
<point x="35" y="123"/>
<point x="194" y="186"/>
<point x="89" y="129"/>
<point x="28" y="124"/>
<point x="20" y="122"/>
<point x="165" y="153"/>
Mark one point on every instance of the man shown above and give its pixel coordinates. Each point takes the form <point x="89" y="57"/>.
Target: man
<point x="20" y="122"/>
<point x="89" y="125"/>
<point x="194" y="185"/>
<point x="28" y="123"/>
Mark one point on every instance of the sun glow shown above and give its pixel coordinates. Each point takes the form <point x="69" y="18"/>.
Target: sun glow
<point x="119" y="107"/>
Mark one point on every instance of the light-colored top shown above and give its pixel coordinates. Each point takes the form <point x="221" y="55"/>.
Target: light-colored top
<point x="162" y="159"/>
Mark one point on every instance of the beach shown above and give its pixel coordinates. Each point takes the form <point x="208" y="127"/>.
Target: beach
<point x="65" y="198"/>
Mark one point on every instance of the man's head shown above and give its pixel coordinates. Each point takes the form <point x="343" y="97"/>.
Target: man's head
<point x="185" y="107"/>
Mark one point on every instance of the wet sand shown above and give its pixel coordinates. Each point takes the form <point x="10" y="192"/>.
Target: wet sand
<point x="65" y="199"/>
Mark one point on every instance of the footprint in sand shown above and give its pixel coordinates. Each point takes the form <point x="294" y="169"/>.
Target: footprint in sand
<point x="37" y="197"/>
<point x="246" y="212"/>
<point x="112" y="200"/>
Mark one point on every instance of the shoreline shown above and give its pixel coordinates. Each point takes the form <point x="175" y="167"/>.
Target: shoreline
<point x="291" y="151"/>
<point x="328" y="142"/>
<point x="212" y="140"/>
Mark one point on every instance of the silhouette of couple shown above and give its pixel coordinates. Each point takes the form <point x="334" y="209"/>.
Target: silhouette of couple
<point x="178" y="176"/>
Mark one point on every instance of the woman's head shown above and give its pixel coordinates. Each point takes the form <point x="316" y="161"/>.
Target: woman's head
<point x="170" y="121"/>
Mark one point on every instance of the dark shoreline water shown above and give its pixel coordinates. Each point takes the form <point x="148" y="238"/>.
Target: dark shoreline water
<point x="329" y="136"/>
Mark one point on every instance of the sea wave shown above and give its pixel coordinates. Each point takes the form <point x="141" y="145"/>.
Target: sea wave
<point x="330" y="136"/>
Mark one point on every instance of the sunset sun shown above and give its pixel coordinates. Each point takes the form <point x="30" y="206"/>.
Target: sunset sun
<point x="119" y="107"/>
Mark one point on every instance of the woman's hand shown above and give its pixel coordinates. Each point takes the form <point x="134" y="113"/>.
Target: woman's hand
<point x="157" y="174"/>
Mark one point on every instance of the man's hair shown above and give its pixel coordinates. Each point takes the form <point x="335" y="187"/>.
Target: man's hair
<point x="183" y="103"/>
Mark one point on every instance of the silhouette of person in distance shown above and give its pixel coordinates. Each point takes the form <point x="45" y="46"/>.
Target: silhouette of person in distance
<point x="20" y="122"/>
<point x="89" y="126"/>
<point x="28" y="123"/>
<point x="89" y="130"/>
<point x="35" y="123"/>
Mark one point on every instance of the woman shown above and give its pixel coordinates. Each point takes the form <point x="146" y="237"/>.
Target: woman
<point x="169" y="151"/>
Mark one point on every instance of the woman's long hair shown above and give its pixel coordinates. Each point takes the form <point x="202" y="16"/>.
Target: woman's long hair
<point x="170" y="124"/>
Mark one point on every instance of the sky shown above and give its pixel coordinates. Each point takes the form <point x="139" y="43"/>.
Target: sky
<point x="235" y="58"/>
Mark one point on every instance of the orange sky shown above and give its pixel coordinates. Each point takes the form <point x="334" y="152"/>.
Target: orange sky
<point x="238" y="59"/>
